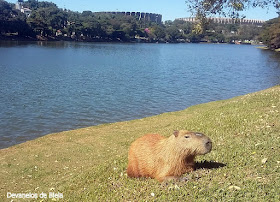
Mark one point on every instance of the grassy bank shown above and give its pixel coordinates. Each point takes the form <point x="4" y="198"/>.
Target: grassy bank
<point x="89" y="164"/>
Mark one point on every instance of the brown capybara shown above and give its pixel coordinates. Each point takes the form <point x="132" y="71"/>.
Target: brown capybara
<point x="166" y="158"/>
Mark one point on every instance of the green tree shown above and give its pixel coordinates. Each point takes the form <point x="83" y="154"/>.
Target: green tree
<point x="270" y="34"/>
<point x="172" y="33"/>
<point x="194" y="38"/>
<point x="35" y="4"/>
<point x="214" y="37"/>
<point x="159" y="32"/>
<point x="47" y="21"/>
<point x="248" y="32"/>
<point x="13" y="21"/>
<point x="203" y="8"/>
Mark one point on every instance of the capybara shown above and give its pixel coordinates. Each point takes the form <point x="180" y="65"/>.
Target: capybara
<point x="166" y="158"/>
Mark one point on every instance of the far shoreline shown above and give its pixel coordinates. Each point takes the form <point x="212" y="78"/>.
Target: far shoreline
<point x="146" y="40"/>
<point x="266" y="48"/>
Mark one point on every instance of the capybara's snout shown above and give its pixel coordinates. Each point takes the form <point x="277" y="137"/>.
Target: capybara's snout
<point x="208" y="145"/>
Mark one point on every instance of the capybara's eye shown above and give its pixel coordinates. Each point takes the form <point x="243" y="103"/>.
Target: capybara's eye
<point x="187" y="136"/>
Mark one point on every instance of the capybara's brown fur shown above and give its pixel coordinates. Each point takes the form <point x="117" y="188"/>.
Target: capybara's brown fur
<point x="166" y="158"/>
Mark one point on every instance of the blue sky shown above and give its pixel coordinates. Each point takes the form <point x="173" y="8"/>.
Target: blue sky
<point x="169" y="9"/>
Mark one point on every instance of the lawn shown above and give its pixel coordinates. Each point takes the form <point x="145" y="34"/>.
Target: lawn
<point x="89" y="164"/>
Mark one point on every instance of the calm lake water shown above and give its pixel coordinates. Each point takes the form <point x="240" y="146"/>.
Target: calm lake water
<point x="57" y="86"/>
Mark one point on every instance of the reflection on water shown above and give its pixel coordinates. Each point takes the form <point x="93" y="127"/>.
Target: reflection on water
<point x="49" y="87"/>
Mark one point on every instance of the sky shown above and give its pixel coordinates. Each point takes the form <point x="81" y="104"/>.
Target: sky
<point x="170" y="10"/>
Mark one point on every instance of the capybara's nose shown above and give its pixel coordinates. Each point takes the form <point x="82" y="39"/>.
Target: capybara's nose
<point x="208" y="145"/>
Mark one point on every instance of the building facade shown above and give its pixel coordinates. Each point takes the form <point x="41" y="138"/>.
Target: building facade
<point x="19" y="6"/>
<point x="227" y="20"/>
<point x="152" y="17"/>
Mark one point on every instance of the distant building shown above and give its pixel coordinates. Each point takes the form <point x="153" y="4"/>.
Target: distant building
<point x="152" y="17"/>
<point x="19" y="6"/>
<point x="26" y="11"/>
<point x="227" y="20"/>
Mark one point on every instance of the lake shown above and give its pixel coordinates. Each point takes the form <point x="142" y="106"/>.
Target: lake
<point x="48" y="87"/>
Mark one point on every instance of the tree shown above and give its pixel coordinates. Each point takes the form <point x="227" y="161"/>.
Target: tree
<point x="214" y="37"/>
<point x="172" y="33"/>
<point x="194" y="38"/>
<point x="271" y="34"/>
<point x="159" y="32"/>
<point x="47" y="20"/>
<point x="13" y="21"/>
<point x="35" y="4"/>
<point x="247" y="32"/>
<point x="203" y="8"/>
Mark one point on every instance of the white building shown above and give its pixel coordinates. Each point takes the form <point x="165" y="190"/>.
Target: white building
<point x="19" y="6"/>
<point x="26" y="11"/>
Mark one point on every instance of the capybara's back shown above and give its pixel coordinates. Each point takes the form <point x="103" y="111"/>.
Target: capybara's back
<point x="141" y="156"/>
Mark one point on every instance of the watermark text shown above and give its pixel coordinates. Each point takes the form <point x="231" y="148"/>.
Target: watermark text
<point x="42" y="195"/>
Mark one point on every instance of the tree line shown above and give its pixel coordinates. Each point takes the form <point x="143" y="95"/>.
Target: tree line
<point x="270" y="34"/>
<point x="47" y="21"/>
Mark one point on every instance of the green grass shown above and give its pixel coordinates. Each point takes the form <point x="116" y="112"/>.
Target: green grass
<point x="89" y="164"/>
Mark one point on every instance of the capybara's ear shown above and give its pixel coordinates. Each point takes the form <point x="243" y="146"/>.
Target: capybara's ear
<point x="176" y="133"/>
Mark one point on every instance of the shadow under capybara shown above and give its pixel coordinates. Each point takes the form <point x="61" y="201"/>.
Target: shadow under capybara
<point x="166" y="158"/>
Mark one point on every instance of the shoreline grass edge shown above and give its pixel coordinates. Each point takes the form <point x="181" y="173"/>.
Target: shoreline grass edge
<point x="90" y="163"/>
